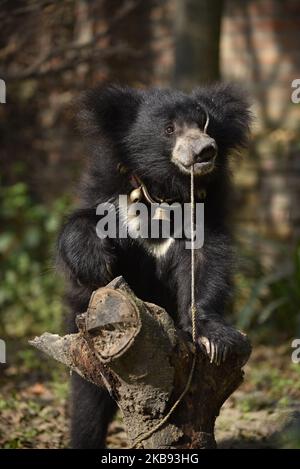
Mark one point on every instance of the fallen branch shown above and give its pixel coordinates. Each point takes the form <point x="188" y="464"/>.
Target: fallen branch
<point x="134" y="350"/>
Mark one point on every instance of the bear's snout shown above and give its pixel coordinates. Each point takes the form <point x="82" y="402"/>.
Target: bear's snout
<point x="205" y="150"/>
<point x="194" y="147"/>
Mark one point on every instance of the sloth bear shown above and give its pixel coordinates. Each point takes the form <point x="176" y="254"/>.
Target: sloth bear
<point x="153" y="137"/>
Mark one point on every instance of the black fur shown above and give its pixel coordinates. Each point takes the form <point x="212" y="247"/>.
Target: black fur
<point x="128" y="126"/>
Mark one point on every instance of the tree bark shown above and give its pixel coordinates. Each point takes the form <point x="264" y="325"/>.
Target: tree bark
<point x="134" y="350"/>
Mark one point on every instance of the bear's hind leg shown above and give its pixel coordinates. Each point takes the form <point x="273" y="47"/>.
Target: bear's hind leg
<point x="92" y="410"/>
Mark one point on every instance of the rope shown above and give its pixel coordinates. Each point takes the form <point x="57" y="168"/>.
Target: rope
<point x="146" y="435"/>
<point x="193" y="306"/>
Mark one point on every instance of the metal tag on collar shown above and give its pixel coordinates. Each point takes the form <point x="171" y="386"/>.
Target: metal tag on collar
<point x="161" y="213"/>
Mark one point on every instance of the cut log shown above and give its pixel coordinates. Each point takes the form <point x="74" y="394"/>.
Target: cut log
<point x="134" y="350"/>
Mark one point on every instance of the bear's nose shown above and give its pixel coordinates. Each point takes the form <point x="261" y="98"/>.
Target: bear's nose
<point x="206" y="151"/>
<point x="195" y="148"/>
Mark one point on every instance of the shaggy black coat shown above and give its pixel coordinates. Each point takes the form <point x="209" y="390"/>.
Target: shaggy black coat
<point x="128" y="126"/>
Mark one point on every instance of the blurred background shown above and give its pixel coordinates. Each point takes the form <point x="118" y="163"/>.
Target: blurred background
<point x="50" y="51"/>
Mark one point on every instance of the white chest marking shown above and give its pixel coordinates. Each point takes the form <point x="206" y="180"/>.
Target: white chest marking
<point x="160" y="249"/>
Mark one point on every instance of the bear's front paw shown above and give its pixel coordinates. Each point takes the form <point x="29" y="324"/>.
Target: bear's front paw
<point x="217" y="339"/>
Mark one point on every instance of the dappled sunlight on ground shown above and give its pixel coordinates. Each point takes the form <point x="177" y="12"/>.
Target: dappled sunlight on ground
<point x="263" y="413"/>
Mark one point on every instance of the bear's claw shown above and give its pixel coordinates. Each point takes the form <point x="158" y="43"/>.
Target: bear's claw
<point x="216" y="352"/>
<point x="217" y="339"/>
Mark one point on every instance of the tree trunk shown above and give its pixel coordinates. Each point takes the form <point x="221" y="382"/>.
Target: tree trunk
<point x="134" y="350"/>
<point x="135" y="31"/>
<point x="197" y="40"/>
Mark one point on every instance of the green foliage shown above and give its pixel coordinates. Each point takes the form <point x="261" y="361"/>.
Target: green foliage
<point x="273" y="301"/>
<point x="275" y="380"/>
<point x="30" y="289"/>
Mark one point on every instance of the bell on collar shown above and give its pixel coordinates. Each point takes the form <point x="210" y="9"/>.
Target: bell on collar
<point x="136" y="195"/>
<point x="161" y="214"/>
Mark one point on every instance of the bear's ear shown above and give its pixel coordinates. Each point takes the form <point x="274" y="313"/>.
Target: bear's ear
<point x="108" y="110"/>
<point x="229" y="110"/>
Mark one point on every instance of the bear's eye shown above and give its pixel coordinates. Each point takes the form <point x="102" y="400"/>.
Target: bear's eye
<point x="169" y="129"/>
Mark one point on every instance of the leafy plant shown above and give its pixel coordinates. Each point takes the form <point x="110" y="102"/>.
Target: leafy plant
<point x="274" y="300"/>
<point x="30" y="290"/>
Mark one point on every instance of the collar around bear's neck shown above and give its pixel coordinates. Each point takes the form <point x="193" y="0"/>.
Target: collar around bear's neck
<point x="140" y="190"/>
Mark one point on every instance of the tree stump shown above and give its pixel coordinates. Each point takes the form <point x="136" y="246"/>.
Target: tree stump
<point x="134" y="350"/>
